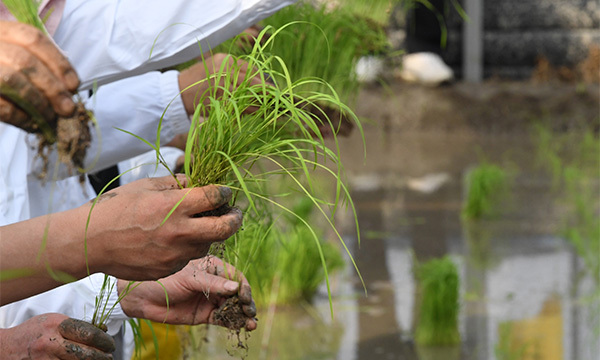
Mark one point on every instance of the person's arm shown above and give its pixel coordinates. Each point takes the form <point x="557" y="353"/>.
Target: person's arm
<point x="193" y="295"/>
<point x="126" y="236"/>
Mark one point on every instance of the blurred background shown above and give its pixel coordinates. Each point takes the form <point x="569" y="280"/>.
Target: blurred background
<point x="476" y="191"/>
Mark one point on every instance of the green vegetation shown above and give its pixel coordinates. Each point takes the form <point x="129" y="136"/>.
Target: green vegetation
<point x="438" y="306"/>
<point x="244" y="150"/>
<point x="504" y="349"/>
<point x="314" y="42"/>
<point x="25" y="11"/>
<point x="376" y="10"/>
<point x="487" y="187"/>
<point x="573" y="160"/>
<point x="279" y="257"/>
<point x="284" y="333"/>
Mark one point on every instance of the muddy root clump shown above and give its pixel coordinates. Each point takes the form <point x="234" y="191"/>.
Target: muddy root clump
<point x="231" y="315"/>
<point x="72" y="139"/>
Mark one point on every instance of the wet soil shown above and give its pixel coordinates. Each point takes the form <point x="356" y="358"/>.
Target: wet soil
<point x="72" y="139"/>
<point x="231" y="315"/>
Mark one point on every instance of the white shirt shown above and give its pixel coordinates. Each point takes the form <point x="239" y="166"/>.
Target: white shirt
<point x="106" y="41"/>
<point x="163" y="33"/>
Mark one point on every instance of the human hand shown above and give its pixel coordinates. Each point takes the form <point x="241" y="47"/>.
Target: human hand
<point x="128" y="236"/>
<point x="247" y="39"/>
<point x="56" y="336"/>
<point x="36" y="80"/>
<point x="199" y="81"/>
<point x="194" y="295"/>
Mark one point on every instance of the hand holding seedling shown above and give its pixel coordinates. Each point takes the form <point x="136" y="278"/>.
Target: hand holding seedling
<point x="56" y="336"/>
<point x="36" y="80"/>
<point x="193" y="295"/>
<point x="209" y="77"/>
<point x="144" y="230"/>
<point x="147" y="229"/>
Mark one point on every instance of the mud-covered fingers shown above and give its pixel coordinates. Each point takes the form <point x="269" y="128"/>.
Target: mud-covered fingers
<point x="11" y="114"/>
<point x="18" y="91"/>
<point x="251" y="324"/>
<point x="39" y="75"/>
<point x="245" y="293"/>
<point x="210" y="229"/>
<point x="85" y="333"/>
<point x="70" y="350"/>
<point x="197" y="200"/>
<point x="40" y="45"/>
<point x="249" y="309"/>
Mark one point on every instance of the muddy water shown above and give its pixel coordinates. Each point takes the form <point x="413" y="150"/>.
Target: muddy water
<point x="520" y="288"/>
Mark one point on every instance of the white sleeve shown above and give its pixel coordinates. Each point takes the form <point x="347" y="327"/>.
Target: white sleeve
<point x="145" y="165"/>
<point x="109" y="40"/>
<point x="75" y="300"/>
<point x="136" y="105"/>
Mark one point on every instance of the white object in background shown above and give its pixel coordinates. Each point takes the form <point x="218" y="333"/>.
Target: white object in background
<point x="368" y="68"/>
<point x="429" y="183"/>
<point x="426" y="68"/>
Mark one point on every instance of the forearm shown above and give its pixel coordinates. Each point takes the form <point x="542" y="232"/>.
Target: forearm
<point x="31" y="251"/>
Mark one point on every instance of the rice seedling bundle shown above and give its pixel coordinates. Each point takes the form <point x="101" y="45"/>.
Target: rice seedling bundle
<point x="439" y="306"/>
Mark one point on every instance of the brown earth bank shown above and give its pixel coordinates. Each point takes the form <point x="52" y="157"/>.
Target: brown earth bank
<point x="490" y="107"/>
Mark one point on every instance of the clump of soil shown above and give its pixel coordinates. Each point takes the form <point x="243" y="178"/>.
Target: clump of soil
<point x="231" y="316"/>
<point x="72" y="138"/>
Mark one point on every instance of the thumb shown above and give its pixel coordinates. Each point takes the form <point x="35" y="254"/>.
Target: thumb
<point x="215" y="286"/>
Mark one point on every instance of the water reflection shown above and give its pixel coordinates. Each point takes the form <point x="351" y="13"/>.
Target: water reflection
<point x="521" y="287"/>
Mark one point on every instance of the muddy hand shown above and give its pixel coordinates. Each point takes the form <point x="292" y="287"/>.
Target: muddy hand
<point x="147" y="229"/>
<point x="56" y="336"/>
<point x="194" y="295"/>
<point x="36" y="80"/>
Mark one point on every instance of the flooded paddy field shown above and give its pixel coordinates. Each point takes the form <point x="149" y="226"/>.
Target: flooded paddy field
<point x="524" y="292"/>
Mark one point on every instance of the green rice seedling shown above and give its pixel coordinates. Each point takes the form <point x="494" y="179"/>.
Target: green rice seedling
<point x="26" y="11"/>
<point x="438" y="305"/>
<point x="314" y="42"/>
<point x="573" y="161"/>
<point x="487" y="186"/>
<point x="376" y="10"/>
<point x="243" y="149"/>
<point x="281" y="250"/>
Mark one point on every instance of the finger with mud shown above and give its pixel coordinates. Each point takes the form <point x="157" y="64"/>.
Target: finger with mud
<point x="39" y="75"/>
<point x="75" y="351"/>
<point x="215" y="228"/>
<point x="11" y="114"/>
<point x="86" y="333"/>
<point x="17" y="88"/>
<point x="198" y="200"/>
<point x="40" y="45"/>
